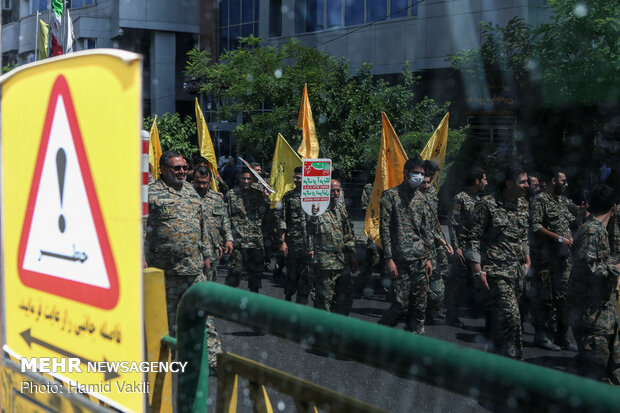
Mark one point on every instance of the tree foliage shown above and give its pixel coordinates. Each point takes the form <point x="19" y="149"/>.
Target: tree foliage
<point x="175" y="134"/>
<point x="265" y="84"/>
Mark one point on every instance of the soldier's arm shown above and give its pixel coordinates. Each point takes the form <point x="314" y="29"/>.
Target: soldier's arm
<point x="474" y="233"/>
<point x="385" y="213"/>
<point x="281" y="219"/>
<point x="455" y="221"/>
<point x="599" y="266"/>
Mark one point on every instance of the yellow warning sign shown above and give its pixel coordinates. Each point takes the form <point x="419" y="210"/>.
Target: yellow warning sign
<point x="71" y="215"/>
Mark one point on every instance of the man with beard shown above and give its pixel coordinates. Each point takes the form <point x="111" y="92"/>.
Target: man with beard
<point x="498" y="252"/>
<point x="216" y="218"/>
<point x="176" y="240"/>
<point x="550" y="222"/>
<point x="246" y="208"/>
<point x="536" y="186"/>
<point x="460" y="219"/>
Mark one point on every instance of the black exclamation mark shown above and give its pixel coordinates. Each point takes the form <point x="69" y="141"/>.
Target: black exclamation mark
<point x="61" y="164"/>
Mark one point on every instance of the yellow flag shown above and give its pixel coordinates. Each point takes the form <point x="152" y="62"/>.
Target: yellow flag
<point x="206" y="145"/>
<point x="154" y="150"/>
<point x="285" y="160"/>
<point x="309" y="148"/>
<point x="435" y="148"/>
<point x="44" y="30"/>
<point x="392" y="158"/>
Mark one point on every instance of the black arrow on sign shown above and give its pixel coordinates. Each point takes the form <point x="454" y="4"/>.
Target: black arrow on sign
<point x="29" y="339"/>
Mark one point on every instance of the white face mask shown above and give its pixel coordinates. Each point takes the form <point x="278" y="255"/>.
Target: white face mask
<point x="415" y="179"/>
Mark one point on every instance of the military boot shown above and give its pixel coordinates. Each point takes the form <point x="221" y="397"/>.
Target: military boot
<point x="542" y="340"/>
<point x="564" y="340"/>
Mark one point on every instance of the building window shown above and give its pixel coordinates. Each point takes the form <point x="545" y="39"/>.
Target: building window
<point x="399" y="8"/>
<point x="315" y="12"/>
<point x="353" y="12"/>
<point x="37" y="5"/>
<point x="376" y="10"/>
<point x="275" y="18"/>
<point x="74" y="4"/>
<point x="238" y="18"/>
<point x="334" y="13"/>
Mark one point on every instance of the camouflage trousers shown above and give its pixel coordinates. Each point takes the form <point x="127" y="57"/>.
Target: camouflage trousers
<point x="176" y="285"/>
<point x="550" y="286"/>
<point x="297" y="266"/>
<point x="436" y="286"/>
<point x="599" y="355"/>
<point x="250" y="260"/>
<point x="456" y="285"/>
<point x="503" y="305"/>
<point x="333" y="290"/>
<point x="373" y="258"/>
<point x="410" y="294"/>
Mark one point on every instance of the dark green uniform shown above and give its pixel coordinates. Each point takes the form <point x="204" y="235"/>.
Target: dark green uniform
<point x="592" y="303"/>
<point x="333" y="244"/>
<point x="404" y="223"/>
<point x="246" y="209"/>
<point x="460" y="219"/>
<point x="551" y="259"/>
<point x="498" y="240"/>
<point x="373" y="252"/>
<point x="292" y="220"/>
<point x="218" y="226"/>
<point x="439" y="258"/>
<point x="176" y="242"/>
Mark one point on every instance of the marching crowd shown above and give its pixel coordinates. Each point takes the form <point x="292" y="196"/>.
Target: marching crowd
<point x="526" y="247"/>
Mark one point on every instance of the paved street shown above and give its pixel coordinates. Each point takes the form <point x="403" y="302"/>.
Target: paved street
<point x="357" y="380"/>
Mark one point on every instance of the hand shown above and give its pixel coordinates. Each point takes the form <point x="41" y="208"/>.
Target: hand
<point x="207" y="266"/>
<point x="220" y="250"/>
<point x="145" y="265"/>
<point x="315" y="209"/>
<point x="353" y="261"/>
<point x="567" y="241"/>
<point x="311" y="255"/>
<point x="429" y="268"/>
<point x="449" y="248"/>
<point x="284" y="249"/>
<point x="390" y="268"/>
<point x="462" y="259"/>
<point x="228" y="248"/>
<point x="526" y="270"/>
<point x="481" y="281"/>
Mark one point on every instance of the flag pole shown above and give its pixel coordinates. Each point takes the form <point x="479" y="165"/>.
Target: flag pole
<point x="49" y="23"/>
<point x="63" y="27"/>
<point x="36" y="38"/>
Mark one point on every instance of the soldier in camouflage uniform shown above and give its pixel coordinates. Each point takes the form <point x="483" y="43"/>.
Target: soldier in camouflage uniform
<point x="175" y="238"/>
<point x="216" y="218"/>
<point x="333" y="248"/>
<point x="404" y="224"/>
<point x="614" y="233"/>
<point x="373" y="252"/>
<point x="497" y="249"/>
<point x="460" y="219"/>
<point x="550" y="222"/>
<point x="593" y="293"/>
<point x="439" y="250"/>
<point x="295" y="242"/>
<point x="246" y="208"/>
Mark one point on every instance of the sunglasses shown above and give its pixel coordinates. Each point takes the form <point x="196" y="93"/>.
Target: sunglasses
<point x="178" y="168"/>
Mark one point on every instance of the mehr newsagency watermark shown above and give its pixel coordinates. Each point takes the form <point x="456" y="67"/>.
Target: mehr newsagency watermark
<point x="61" y="365"/>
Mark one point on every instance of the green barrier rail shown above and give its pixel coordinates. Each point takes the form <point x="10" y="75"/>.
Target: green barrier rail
<point x="466" y="371"/>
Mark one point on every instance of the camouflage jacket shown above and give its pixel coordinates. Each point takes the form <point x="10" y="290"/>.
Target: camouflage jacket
<point x="592" y="291"/>
<point x="366" y="193"/>
<point x="432" y="202"/>
<point x="246" y="209"/>
<point x="614" y="233"/>
<point x="461" y="216"/>
<point x="216" y="219"/>
<point x="552" y="214"/>
<point x="405" y="219"/>
<point x="498" y="236"/>
<point x="175" y="237"/>
<point x="293" y="221"/>
<point x="332" y="237"/>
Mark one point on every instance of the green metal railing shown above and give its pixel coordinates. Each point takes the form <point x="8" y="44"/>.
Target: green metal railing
<point x="466" y="371"/>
